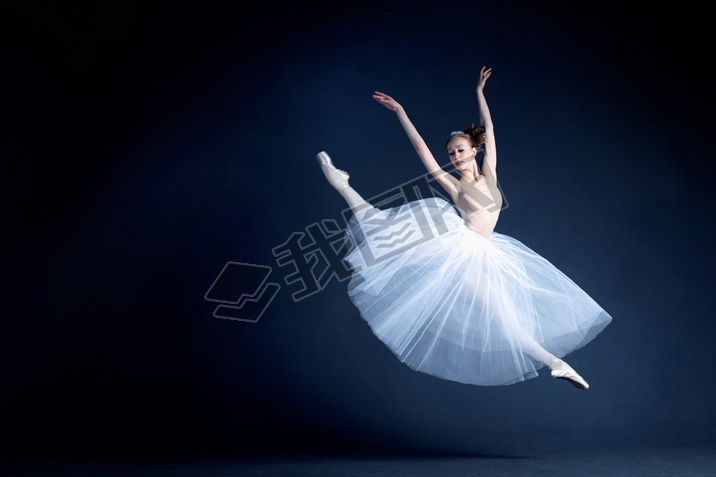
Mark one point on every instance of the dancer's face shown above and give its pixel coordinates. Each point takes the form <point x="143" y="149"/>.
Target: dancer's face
<point x="461" y="153"/>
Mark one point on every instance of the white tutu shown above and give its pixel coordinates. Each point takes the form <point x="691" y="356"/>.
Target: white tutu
<point x="454" y="304"/>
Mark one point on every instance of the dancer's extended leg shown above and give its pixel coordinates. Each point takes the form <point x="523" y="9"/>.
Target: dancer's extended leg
<point x="559" y="369"/>
<point x="510" y="324"/>
<point x="339" y="180"/>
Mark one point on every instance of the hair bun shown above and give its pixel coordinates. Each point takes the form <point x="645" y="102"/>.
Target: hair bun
<point x="470" y="129"/>
<point x="478" y="134"/>
<point x="474" y="134"/>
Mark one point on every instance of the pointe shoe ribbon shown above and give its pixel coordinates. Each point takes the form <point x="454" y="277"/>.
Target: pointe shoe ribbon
<point x="562" y="370"/>
<point x="336" y="177"/>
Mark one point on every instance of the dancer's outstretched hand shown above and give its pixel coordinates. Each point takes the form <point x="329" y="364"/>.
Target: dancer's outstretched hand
<point x="484" y="74"/>
<point x="386" y="101"/>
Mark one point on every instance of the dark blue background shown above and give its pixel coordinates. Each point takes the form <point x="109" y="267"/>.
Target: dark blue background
<point x="147" y="145"/>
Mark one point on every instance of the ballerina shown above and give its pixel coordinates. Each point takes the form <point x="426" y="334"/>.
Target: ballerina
<point x="469" y="305"/>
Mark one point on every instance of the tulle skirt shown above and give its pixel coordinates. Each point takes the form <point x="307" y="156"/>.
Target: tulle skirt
<point x="454" y="304"/>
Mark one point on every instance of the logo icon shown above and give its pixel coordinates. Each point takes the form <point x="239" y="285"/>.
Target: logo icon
<point x="242" y="290"/>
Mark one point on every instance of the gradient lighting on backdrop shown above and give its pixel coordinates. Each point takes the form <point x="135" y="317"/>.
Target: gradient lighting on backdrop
<point x="200" y="150"/>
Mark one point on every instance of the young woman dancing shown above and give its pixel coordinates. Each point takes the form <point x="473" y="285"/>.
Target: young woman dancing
<point x="470" y="305"/>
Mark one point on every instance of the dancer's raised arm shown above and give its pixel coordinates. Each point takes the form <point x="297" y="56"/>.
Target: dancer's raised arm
<point x="448" y="182"/>
<point x="489" y="160"/>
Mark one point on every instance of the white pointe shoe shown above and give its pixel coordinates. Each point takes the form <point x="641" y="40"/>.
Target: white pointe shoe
<point x="336" y="177"/>
<point x="562" y="370"/>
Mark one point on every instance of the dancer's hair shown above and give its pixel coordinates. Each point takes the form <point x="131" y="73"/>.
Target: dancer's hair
<point x="475" y="136"/>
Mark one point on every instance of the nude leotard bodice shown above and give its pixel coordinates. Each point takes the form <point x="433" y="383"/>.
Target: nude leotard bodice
<point x="479" y="205"/>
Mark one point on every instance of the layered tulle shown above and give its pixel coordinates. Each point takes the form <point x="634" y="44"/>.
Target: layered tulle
<point x="459" y="306"/>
